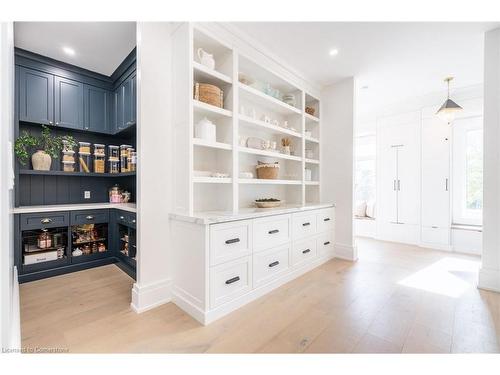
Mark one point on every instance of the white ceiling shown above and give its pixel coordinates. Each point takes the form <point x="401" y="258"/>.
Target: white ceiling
<point x="99" y="46"/>
<point x="395" y="60"/>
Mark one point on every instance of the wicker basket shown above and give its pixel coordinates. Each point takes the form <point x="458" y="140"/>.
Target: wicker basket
<point x="209" y="94"/>
<point x="310" y="110"/>
<point x="267" y="171"/>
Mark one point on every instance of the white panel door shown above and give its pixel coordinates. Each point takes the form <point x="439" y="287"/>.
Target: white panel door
<point x="435" y="173"/>
<point x="386" y="176"/>
<point x="408" y="177"/>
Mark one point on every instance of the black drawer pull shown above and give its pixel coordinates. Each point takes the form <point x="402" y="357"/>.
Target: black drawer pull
<point x="90" y="217"/>
<point x="327" y="243"/>
<point x="305" y="224"/>
<point x="273" y="231"/>
<point x="326" y="219"/>
<point x="233" y="240"/>
<point x="233" y="280"/>
<point x="46" y="221"/>
<point x="306" y="251"/>
<point x="273" y="264"/>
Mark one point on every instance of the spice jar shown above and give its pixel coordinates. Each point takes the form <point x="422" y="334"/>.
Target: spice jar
<point x="114" y="152"/>
<point x="85" y="159"/>
<point x="44" y="240"/>
<point x="84" y="147"/>
<point x="115" y="194"/>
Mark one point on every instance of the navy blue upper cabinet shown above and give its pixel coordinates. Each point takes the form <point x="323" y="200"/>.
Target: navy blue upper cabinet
<point x="125" y="104"/>
<point x="36" y="96"/>
<point x="134" y="99"/>
<point x="69" y="103"/>
<point x="118" y="112"/>
<point x="97" y="109"/>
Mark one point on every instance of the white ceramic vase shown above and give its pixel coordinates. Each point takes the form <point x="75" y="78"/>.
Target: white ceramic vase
<point x="41" y="161"/>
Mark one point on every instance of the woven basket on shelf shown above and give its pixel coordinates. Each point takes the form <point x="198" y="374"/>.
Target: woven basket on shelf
<point x="267" y="171"/>
<point x="310" y="110"/>
<point x="209" y="94"/>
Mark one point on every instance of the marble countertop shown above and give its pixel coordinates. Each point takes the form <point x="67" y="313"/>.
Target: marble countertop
<point x="130" y="207"/>
<point x="214" y="217"/>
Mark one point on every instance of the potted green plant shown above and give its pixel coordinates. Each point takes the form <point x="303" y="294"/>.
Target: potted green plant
<point x="47" y="148"/>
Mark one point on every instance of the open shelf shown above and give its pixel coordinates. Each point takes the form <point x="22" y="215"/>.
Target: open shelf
<point x="312" y="183"/>
<point x="74" y="174"/>
<point x="247" y="120"/>
<point x="209" y="109"/>
<point x="270" y="154"/>
<point x="218" y="145"/>
<point x="266" y="101"/>
<point x="311" y="139"/>
<point x="310" y="118"/>
<point x="212" y="180"/>
<point x="258" y="181"/>
<point x="312" y="161"/>
<point x="207" y="75"/>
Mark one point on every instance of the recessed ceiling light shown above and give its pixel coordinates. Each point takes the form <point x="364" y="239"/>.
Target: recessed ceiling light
<point x="334" y="52"/>
<point x="69" y="51"/>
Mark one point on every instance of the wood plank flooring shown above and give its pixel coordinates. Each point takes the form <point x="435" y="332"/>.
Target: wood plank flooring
<point x="395" y="299"/>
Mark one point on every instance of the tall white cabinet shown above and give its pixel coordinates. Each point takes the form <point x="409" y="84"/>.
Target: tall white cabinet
<point x="398" y="179"/>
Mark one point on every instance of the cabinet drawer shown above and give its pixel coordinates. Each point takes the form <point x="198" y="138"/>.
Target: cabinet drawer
<point x="271" y="231"/>
<point x="44" y="220"/>
<point x="303" y="224"/>
<point x="436" y="235"/>
<point x="89" y="217"/>
<point x="230" y="280"/>
<point x="269" y="264"/>
<point x="302" y="251"/>
<point x="325" y="220"/>
<point x="125" y="218"/>
<point x="325" y="244"/>
<point x="230" y="241"/>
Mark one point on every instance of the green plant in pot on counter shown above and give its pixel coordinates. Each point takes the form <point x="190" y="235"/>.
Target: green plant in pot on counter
<point x="47" y="148"/>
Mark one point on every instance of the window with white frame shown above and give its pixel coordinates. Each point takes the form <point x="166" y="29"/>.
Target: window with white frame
<point x="468" y="171"/>
<point x="365" y="165"/>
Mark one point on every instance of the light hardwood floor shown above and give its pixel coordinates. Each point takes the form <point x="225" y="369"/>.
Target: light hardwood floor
<point x="395" y="299"/>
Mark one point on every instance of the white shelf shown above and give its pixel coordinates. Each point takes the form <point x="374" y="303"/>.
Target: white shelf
<point x="310" y="117"/>
<point x="266" y="101"/>
<point x="312" y="183"/>
<point x="261" y="124"/>
<point x="217" y="145"/>
<point x="311" y="139"/>
<point x="312" y="161"/>
<point x="268" y="181"/>
<point x="205" y="108"/>
<point x="202" y="73"/>
<point x="271" y="154"/>
<point x="212" y="180"/>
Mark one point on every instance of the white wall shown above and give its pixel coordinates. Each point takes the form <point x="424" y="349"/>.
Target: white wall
<point x="10" y="336"/>
<point x="489" y="276"/>
<point x="154" y="165"/>
<point x="337" y="180"/>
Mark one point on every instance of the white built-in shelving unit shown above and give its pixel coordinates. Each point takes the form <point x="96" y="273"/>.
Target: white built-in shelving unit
<point x="241" y="118"/>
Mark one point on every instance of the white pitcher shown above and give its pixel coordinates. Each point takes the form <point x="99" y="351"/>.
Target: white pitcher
<point x="206" y="58"/>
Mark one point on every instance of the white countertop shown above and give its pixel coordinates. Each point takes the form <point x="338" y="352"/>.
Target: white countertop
<point x="213" y="217"/>
<point x="130" y="207"/>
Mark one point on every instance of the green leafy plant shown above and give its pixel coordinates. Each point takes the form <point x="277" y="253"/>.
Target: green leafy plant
<point x="26" y="143"/>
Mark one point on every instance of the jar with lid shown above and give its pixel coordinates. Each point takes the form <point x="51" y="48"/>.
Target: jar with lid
<point x="99" y="163"/>
<point x="115" y="194"/>
<point x="124" y="152"/>
<point x="84" y="147"/>
<point x="68" y="166"/>
<point x="99" y="149"/>
<point x="44" y="240"/>
<point x="114" y="166"/>
<point x="114" y="152"/>
<point x="132" y="167"/>
<point x="84" y="159"/>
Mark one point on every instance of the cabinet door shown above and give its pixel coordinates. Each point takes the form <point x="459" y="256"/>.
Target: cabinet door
<point x="435" y="173"/>
<point x="36" y="96"/>
<point x="69" y="103"/>
<point x="118" y="112"/>
<point x="134" y="99"/>
<point x="386" y="176"/>
<point x="97" y="109"/>
<point x="128" y="94"/>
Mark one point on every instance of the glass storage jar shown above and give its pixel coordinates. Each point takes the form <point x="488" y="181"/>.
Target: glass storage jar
<point x="99" y="163"/>
<point x="132" y="167"/>
<point x="68" y="166"/>
<point x="84" y="161"/>
<point x="68" y="156"/>
<point x="114" y="166"/>
<point x="114" y="152"/>
<point x="99" y="149"/>
<point x="124" y="152"/>
<point x="115" y="194"/>
<point x="84" y="147"/>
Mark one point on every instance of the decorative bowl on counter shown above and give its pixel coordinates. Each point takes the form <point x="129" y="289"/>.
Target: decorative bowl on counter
<point x="267" y="203"/>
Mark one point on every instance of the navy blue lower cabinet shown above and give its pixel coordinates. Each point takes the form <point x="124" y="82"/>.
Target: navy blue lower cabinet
<point x="36" y="96"/>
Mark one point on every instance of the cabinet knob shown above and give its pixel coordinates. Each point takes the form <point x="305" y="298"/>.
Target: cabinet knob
<point x="233" y="240"/>
<point x="50" y="122"/>
<point x="57" y="123"/>
<point x="233" y="280"/>
<point x="133" y="221"/>
<point x="46" y="221"/>
<point x="90" y="217"/>
<point x="122" y="218"/>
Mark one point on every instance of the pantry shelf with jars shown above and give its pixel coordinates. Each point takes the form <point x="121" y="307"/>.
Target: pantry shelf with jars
<point x="242" y="131"/>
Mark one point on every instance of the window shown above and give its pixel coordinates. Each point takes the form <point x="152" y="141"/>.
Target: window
<point x="365" y="183"/>
<point x="468" y="171"/>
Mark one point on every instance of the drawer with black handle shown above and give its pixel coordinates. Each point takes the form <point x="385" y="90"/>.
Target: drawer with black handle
<point x="270" y="264"/>
<point x="89" y="217"/>
<point x="230" y="280"/>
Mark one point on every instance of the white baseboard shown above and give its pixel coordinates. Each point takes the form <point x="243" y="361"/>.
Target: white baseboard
<point x="489" y="279"/>
<point x="346" y="252"/>
<point x="147" y="297"/>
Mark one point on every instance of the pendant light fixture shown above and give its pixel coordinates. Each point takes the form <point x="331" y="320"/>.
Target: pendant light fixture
<point x="449" y="108"/>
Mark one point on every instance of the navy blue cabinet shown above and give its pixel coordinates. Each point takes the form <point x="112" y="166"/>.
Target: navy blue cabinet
<point x="36" y="96"/>
<point x="97" y="109"/>
<point x="68" y="103"/>
<point x="119" y="112"/>
<point x="125" y="104"/>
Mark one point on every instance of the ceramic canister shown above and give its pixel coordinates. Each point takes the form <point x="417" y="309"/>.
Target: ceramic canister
<point x="205" y="129"/>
